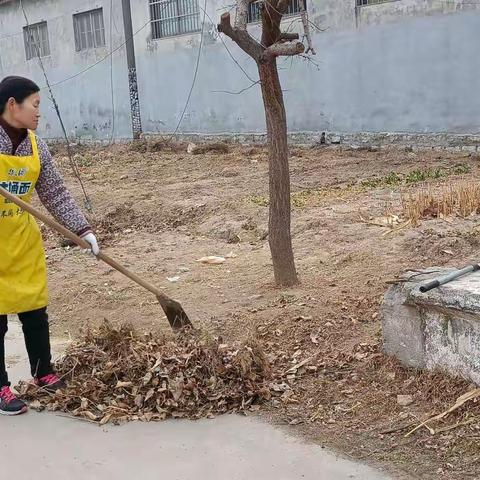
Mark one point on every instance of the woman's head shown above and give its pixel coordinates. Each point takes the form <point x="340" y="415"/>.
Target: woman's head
<point x="20" y="102"/>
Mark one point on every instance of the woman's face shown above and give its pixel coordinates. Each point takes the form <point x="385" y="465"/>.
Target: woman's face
<point x="25" y="114"/>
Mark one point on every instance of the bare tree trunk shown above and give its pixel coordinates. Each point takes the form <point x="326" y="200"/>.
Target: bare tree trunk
<point x="274" y="43"/>
<point x="279" y="221"/>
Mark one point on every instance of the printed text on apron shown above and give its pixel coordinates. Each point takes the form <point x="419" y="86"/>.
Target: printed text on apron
<point x="23" y="275"/>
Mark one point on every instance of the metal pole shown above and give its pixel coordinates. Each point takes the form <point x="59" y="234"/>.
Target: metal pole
<point x="448" y="278"/>
<point x="132" y="70"/>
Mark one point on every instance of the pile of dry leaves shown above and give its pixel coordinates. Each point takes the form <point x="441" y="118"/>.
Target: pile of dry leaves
<point x="116" y="375"/>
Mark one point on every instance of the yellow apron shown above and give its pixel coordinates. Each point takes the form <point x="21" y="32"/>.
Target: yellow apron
<point x="23" y="272"/>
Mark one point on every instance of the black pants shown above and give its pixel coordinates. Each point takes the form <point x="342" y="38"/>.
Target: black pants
<point x="37" y="340"/>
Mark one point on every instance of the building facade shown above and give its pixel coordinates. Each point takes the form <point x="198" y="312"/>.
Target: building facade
<point x="381" y="66"/>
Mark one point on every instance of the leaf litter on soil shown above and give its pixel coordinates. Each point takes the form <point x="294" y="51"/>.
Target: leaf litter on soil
<point x="117" y="375"/>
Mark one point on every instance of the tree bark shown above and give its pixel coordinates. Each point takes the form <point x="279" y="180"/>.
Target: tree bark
<point x="279" y="176"/>
<point x="274" y="43"/>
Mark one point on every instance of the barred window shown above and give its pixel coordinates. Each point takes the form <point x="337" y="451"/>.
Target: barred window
<point x="174" y="17"/>
<point x="89" y="30"/>
<point x="361" y="3"/>
<point x="254" y="14"/>
<point x="36" y="40"/>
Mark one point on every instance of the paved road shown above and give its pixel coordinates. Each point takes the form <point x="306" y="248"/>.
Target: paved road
<point x="44" y="446"/>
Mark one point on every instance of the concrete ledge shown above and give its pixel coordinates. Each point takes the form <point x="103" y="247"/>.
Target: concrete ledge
<point x="436" y="330"/>
<point x="469" y="144"/>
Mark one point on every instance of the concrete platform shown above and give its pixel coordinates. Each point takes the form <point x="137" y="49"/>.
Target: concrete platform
<point x="439" y="329"/>
<point x="45" y="446"/>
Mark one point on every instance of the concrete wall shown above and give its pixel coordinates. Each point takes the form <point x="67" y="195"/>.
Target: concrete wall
<point x="84" y="101"/>
<point x="412" y="75"/>
<point x="405" y="66"/>
<point x="437" y="330"/>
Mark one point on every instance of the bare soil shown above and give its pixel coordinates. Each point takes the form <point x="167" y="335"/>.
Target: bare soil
<point x="158" y="209"/>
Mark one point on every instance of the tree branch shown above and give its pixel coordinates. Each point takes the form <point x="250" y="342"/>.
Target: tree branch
<point x="282" y="6"/>
<point x="306" y="27"/>
<point x="240" y="91"/>
<point x="271" y="19"/>
<point x="280" y="49"/>
<point x="241" y="15"/>
<point x="289" y="36"/>
<point x="240" y="37"/>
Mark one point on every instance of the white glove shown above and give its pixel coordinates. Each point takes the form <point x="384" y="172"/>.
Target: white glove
<point x="92" y="240"/>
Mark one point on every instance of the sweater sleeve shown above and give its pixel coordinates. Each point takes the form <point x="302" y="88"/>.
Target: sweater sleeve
<point x="55" y="196"/>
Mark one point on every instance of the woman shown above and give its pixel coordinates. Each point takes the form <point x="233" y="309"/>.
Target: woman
<point x="25" y="165"/>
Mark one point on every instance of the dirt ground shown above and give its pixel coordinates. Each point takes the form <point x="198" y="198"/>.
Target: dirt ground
<point x="159" y="209"/>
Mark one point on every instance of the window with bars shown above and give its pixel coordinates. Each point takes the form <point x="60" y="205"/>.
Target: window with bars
<point x="254" y="14"/>
<point x="89" y="30"/>
<point x="174" y="17"/>
<point x="36" y="40"/>
<point x="361" y="3"/>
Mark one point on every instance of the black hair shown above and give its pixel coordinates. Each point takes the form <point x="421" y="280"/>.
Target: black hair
<point x="18" y="88"/>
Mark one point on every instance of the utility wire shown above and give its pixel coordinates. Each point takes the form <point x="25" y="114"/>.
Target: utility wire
<point x="228" y="50"/>
<point x="447" y="2"/>
<point x="112" y="133"/>
<point x="109" y="55"/>
<point x="15" y="34"/>
<point x="101" y="60"/>
<point x="73" y="164"/>
<point x="194" y="75"/>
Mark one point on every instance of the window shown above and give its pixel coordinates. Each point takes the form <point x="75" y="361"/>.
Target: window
<point x="36" y="40"/>
<point x="174" y="17"/>
<point x="361" y="3"/>
<point x="254" y="14"/>
<point x="89" y="30"/>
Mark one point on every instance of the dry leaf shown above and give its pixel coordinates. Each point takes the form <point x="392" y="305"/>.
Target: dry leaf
<point x="187" y="377"/>
<point x="89" y="415"/>
<point x="106" y="419"/>
<point x="36" y="405"/>
<point x="149" y="394"/>
<point x="123" y="384"/>
<point x="212" y="260"/>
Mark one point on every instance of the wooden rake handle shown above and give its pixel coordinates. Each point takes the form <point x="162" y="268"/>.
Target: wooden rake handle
<point x="82" y="243"/>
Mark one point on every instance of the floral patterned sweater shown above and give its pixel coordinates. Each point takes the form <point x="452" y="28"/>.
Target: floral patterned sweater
<point x="50" y="186"/>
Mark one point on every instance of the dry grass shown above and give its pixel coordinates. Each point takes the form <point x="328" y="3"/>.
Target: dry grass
<point x="462" y="199"/>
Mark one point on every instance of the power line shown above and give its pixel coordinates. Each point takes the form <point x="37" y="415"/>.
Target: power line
<point x="73" y="164"/>
<point x="112" y="51"/>
<point x="9" y="35"/>
<point x="447" y="2"/>
<point x="194" y="75"/>
<point x="228" y="50"/>
<point x="101" y="60"/>
<point x="111" y="74"/>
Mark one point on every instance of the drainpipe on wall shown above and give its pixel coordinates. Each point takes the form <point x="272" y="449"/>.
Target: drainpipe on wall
<point x="132" y="70"/>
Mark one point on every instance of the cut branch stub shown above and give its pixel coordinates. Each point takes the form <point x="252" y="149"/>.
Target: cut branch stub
<point x="289" y="36"/>
<point x="282" y="49"/>
<point x="306" y="27"/>
<point x="240" y="36"/>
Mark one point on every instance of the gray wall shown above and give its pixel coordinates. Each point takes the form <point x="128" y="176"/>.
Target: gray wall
<point x="84" y="101"/>
<point x="407" y="65"/>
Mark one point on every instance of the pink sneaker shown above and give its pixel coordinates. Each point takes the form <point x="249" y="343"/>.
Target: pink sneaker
<point x="10" y="404"/>
<point x="50" y="383"/>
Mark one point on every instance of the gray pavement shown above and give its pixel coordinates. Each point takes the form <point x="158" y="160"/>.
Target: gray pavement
<point x="41" y="446"/>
